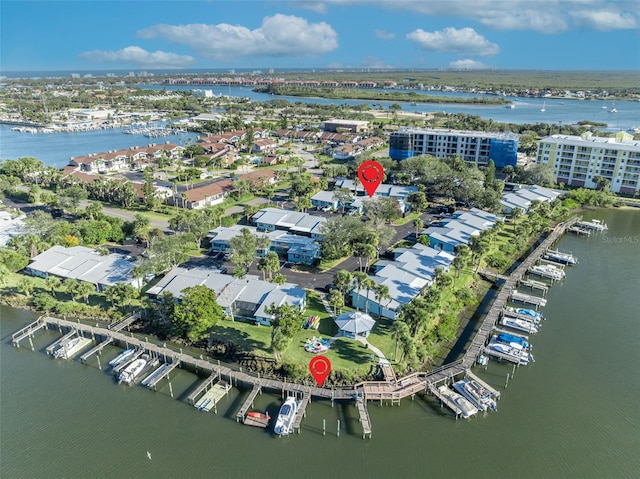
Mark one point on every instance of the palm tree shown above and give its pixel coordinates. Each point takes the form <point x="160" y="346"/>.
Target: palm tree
<point x="71" y="287"/>
<point x="369" y="285"/>
<point x="342" y="280"/>
<point x="381" y="293"/>
<point x="53" y="283"/>
<point x="418" y="224"/>
<point x="359" y="278"/>
<point x="85" y="289"/>
<point x="514" y="215"/>
<point x="26" y="286"/>
<point x="336" y="300"/>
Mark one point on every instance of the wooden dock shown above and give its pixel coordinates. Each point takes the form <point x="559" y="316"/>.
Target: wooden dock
<point x="387" y="371"/>
<point x="534" y="285"/>
<point x="125" y="323"/>
<point x="302" y="411"/>
<point x="139" y="352"/>
<point x="444" y="399"/>
<point x="257" y="422"/>
<point x="494" y="392"/>
<point x="248" y="403"/>
<point x="577" y="230"/>
<point x="204" y="385"/>
<point x="211" y="398"/>
<point x="163" y="371"/>
<point x="96" y="349"/>
<point x="363" y="413"/>
<point x="56" y="344"/>
<point x="28" y="332"/>
<point x="528" y="299"/>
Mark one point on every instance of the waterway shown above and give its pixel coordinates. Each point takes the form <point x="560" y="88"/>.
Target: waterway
<point x="55" y="149"/>
<point x="573" y="413"/>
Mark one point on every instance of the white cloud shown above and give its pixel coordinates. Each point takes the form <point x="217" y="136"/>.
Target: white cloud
<point x="384" y="35"/>
<point x="467" y="64"/>
<point x="604" y="20"/>
<point x="278" y="36"/>
<point x="139" y="57"/>
<point x="375" y="62"/>
<point x="318" y="7"/>
<point x="465" y="41"/>
<point x="544" y="16"/>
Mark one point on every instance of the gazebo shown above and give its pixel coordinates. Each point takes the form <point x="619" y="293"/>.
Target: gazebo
<point x="355" y="323"/>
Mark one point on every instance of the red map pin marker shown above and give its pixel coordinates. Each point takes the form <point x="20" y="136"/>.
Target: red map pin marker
<point x="371" y="174"/>
<point x="320" y="368"/>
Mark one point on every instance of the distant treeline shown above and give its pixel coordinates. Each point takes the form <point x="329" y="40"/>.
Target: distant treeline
<point x="377" y="95"/>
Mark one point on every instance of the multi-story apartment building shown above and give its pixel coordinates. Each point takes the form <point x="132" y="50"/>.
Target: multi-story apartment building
<point x="578" y="160"/>
<point x="472" y="146"/>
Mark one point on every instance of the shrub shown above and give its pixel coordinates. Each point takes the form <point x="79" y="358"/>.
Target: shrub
<point x="497" y="259"/>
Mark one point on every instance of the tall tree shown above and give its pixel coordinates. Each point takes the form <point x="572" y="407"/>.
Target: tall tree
<point x="197" y="312"/>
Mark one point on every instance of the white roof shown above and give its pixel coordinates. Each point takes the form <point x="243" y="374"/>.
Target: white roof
<point x="83" y="264"/>
<point x="355" y="322"/>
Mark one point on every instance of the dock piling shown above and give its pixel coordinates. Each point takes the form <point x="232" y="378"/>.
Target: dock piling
<point x="323" y="427"/>
<point x="99" y="365"/>
<point x="338" y="431"/>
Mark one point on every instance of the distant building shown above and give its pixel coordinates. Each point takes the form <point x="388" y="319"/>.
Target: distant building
<point x="577" y="160"/>
<point x="472" y="146"/>
<point x="353" y="126"/>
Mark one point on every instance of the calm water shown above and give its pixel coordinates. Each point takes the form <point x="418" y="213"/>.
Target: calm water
<point x="56" y="148"/>
<point x="572" y="414"/>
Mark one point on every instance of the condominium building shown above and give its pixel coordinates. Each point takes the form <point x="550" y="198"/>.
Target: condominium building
<point x="472" y="146"/>
<point x="578" y="160"/>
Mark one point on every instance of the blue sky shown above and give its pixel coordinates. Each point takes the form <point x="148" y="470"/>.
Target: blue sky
<point x="501" y="34"/>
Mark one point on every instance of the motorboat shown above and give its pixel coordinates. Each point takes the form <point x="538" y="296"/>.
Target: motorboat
<point x="560" y="257"/>
<point x="547" y="271"/>
<point x="133" y="370"/>
<point x="513" y="340"/>
<point x="122" y="357"/>
<point x="596" y="225"/>
<point x="286" y="415"/>
<point x="517" y="355"/>
<point x="535" y="316"/>
<point x="466" y="408"/>
<point x="519" y="324"/>
<point x="479" y="396"/>
<point x="63" y="350"/>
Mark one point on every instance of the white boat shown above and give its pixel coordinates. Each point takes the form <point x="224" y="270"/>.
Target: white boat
<point x="479" y="396"/>
<point x="467" y="409"/>
<point x="133" y="370"/>
<point x="63" y="350"/>
<point x="510" y="106"/>
<point x="535" y="316"/>
<point x="519" y="324"/>
<point x="122" y="357"/>
<point x="560" y="257"/>
<point x="613" y="110"/>
<point x="547" y="271"/>
<point x="517" y="355"/>
<point x="544" y="107"/>
<point x="284" y="423"/>
<point x="596" y="225"/>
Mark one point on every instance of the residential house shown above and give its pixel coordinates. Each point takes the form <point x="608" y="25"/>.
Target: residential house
<point x="325" y="200"/>
<point x="204" y="196"/>
<point x="264" y="145"/>
<point x="83" y="264"/>
<point x="243" y="298"/>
